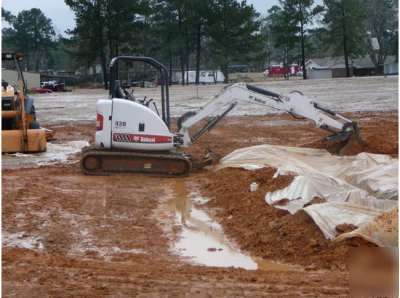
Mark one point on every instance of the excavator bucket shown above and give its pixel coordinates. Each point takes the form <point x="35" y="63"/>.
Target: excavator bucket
<point x="353" y="145"/>
<point x="347" y="144"/>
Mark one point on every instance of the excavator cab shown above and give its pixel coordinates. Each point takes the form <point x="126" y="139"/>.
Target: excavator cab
<point x="118" y="90"/>
<point x="20" y="130"/>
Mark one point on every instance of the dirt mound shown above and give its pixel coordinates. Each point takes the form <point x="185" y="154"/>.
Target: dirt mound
<point x="382" y="143"/>
<point x="349" y="147"/>
<point x="378" y="136"/>
<point x="268" y="232"/>
<point x="345" y="228"/>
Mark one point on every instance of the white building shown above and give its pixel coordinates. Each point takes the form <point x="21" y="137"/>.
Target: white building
<point x="325" y="68"/>
<point x="206" y="77"/>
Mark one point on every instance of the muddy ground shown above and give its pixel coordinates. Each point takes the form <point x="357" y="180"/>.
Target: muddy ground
<point x="66" y="234"/>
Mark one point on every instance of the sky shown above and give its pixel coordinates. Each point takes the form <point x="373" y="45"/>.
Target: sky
<point x="63" y="17"/>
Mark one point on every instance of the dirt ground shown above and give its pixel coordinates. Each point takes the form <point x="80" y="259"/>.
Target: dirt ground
<point x="73" y="235"/>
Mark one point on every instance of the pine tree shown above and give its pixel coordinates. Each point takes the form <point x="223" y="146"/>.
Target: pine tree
<point x="381" y="23"/>
<point x="346" y="29"/>
<point x="32" y="33"/>
<point x="301" y="14"/>
<point x="233" y="29"/>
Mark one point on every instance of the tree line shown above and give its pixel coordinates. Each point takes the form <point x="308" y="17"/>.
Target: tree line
<point x="199" y="34"/>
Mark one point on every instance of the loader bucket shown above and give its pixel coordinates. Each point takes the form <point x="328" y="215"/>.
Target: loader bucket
<point x="12" y="141"/>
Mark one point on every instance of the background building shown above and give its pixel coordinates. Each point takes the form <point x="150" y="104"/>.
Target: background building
<point x="32" y="79"/>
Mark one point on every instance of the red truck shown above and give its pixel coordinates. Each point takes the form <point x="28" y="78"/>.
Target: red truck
<point x="280" y="71"/>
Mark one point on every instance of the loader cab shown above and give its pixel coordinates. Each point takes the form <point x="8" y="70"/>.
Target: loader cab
<point x="7" y="96"/>
<point x="7" y="104"/>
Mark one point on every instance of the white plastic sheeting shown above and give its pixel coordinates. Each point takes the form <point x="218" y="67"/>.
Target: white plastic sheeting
<point x="356" y="188"/>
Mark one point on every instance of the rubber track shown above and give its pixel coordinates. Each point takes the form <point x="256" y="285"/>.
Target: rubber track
<point x="112" y="156"/>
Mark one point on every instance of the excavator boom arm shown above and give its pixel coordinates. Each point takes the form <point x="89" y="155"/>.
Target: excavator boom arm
<point x="295" y="103"/>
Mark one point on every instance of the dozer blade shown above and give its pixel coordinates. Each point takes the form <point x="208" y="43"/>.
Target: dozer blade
<point x="346" y="143"/>
<point x="97" y="161"/>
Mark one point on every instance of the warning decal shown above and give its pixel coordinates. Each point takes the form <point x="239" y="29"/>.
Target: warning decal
<point x="144" y="139"/>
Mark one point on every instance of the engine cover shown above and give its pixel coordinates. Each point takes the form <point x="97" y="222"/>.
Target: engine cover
<point x="124" y="124"/>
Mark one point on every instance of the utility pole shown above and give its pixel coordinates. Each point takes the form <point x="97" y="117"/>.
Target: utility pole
<point x="345" y="50"/>
<point x="303" y="59"/>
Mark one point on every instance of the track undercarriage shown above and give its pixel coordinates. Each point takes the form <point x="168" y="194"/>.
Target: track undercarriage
<point x="98" y="161"/>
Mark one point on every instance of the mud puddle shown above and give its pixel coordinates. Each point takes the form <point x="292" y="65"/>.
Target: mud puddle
<point x="55" y="153"/>
<point x="21" y="240"/>
<point x="202" y="240"/>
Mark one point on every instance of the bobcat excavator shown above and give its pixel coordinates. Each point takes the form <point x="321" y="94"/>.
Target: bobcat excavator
<point x="131" y="135"/>
<point x="20" y="130"/>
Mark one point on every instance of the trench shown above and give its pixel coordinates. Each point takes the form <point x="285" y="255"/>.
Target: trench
<point x="201" y="239"/>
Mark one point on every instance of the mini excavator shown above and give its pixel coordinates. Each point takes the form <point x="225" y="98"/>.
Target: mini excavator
<point x="20" y="130"/>
<point x="132" y="135"/>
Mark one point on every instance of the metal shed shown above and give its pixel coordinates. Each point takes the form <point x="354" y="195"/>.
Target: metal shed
<point x="319" y="73"/>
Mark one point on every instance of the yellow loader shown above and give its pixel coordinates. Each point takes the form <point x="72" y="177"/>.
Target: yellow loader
<point x="20" y="130"/>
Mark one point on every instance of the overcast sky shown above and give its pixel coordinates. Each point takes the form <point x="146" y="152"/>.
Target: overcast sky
<point x="63" y="18"/>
